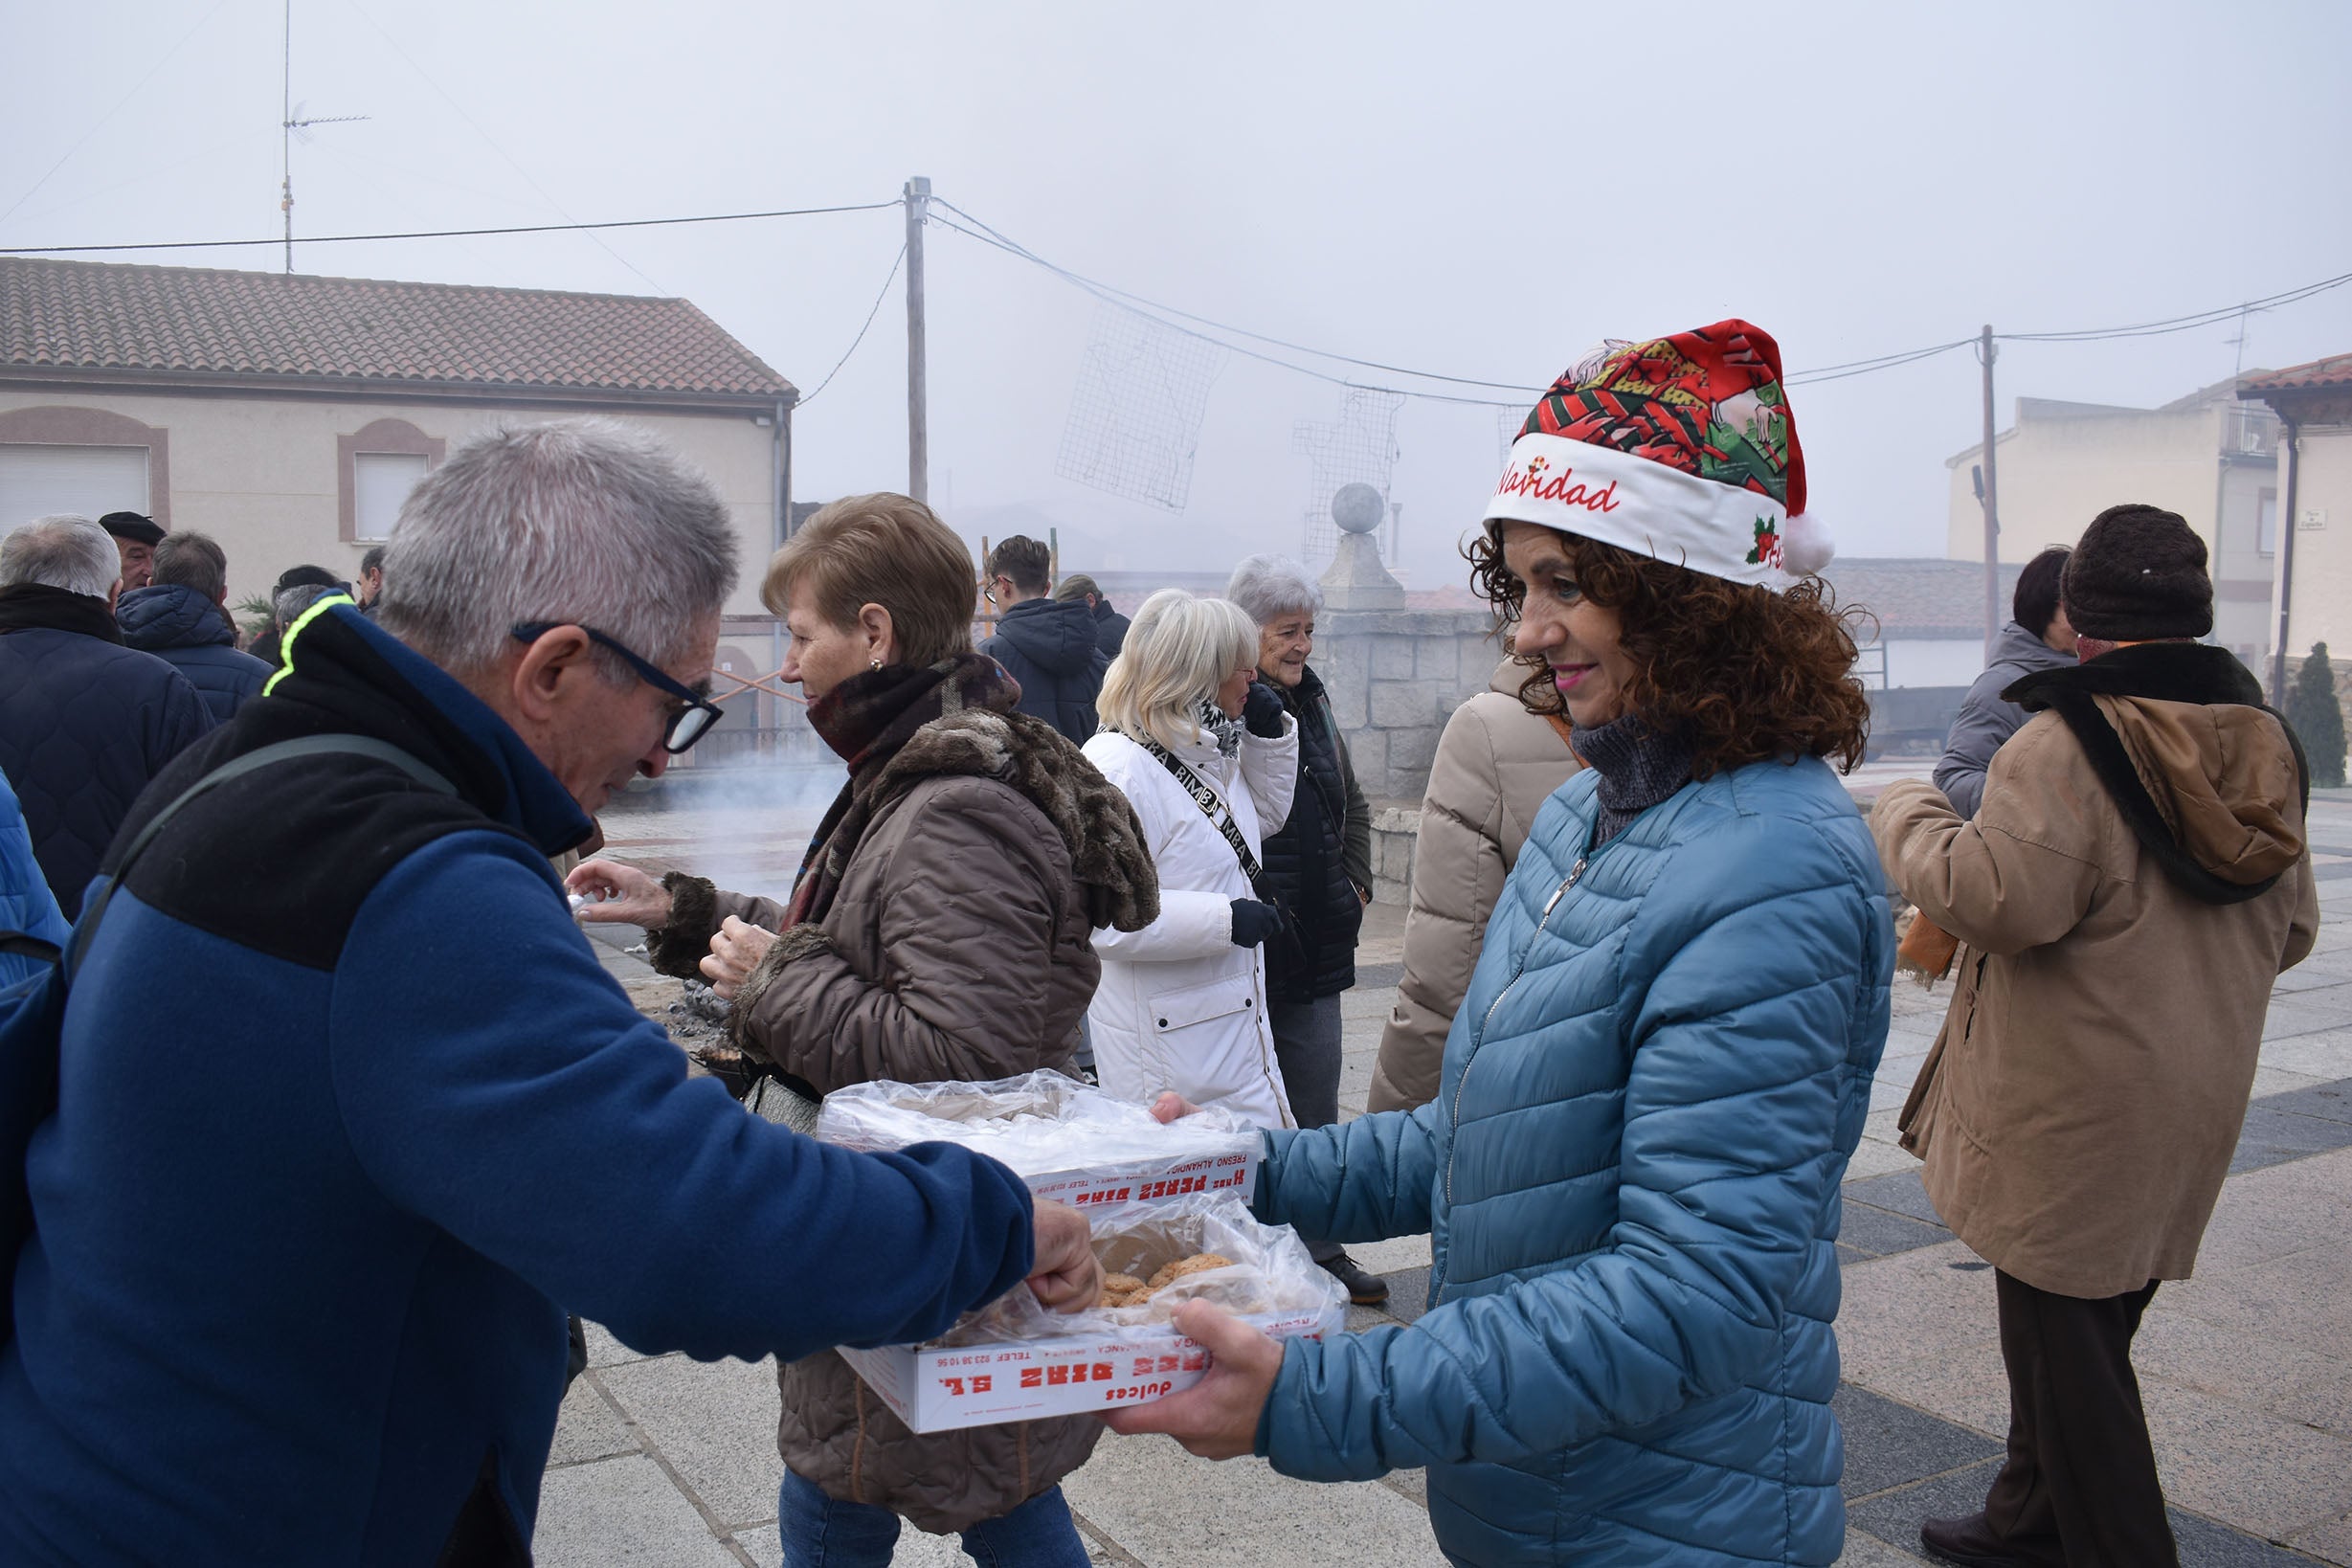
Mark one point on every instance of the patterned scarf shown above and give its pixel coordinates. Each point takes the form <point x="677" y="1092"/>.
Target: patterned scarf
<point x="866" y="719"/>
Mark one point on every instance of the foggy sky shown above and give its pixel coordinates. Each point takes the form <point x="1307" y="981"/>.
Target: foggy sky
<point x="1485" y="191"/>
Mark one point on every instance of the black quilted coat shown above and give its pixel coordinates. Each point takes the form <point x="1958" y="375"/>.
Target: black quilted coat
<point x="1320" y="858"/>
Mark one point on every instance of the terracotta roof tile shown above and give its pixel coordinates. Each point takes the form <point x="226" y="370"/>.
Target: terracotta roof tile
<point x="2335" y="370"/>
<point x="90" y="315"/>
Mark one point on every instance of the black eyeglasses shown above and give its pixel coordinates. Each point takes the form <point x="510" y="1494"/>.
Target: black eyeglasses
<point x="687" y="723"/>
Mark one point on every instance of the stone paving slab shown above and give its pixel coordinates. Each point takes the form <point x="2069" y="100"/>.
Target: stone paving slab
<point x="2247" y="1380"/>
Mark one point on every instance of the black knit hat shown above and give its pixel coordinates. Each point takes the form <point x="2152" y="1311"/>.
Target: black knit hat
<point x="131" y="526"/>
<point x="2138" y="575"/>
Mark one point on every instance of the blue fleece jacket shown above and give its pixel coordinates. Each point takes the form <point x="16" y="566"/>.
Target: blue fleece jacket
<point x="350" y="1115"/>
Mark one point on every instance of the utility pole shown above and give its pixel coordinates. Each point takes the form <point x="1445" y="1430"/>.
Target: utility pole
<point x="1992" y="507"/>
<point x="918" y="380"/>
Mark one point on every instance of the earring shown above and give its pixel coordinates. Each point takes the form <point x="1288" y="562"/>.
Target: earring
<point x="873" y="664"/>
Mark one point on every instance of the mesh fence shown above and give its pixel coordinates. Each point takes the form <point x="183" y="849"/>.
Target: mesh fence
<point x="1358" y="448"/>
<point x="1135" y="414"/>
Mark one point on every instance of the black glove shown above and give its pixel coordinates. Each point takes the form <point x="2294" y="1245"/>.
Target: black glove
<point x="1254" y="921"/>
<point x="1262" y="711"/>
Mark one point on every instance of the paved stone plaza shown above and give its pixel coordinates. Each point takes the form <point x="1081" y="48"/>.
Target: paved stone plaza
<point x="2247" y="1369"/>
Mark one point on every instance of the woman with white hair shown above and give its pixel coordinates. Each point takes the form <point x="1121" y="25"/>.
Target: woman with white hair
<point x="1318" y="867"/>
<point x="1209" y="761"/>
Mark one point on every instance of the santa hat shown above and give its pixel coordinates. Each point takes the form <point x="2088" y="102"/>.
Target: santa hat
<point x="1682" y="449"/>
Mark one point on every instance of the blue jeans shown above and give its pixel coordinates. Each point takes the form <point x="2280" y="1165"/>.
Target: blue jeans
<point x="821" y="1531"/>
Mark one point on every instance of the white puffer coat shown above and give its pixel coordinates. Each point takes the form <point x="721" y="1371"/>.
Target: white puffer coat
<point x="1179" y="1007"/>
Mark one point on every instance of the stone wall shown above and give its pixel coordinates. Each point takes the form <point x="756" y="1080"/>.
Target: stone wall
<point x="1394" y="677"/>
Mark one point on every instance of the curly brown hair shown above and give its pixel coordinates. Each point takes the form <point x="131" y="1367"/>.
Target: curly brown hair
<point x="1741" y="671"/>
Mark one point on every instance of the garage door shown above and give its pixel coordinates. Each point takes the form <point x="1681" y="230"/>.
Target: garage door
<point x="92" y="481"/>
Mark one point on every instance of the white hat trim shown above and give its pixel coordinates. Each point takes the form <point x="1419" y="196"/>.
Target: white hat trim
<point x="1598" y="492"/>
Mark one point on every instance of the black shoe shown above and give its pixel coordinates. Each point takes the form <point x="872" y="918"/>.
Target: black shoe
<point x="1364" y="1290"/>
<point x="1969" y="1541"/>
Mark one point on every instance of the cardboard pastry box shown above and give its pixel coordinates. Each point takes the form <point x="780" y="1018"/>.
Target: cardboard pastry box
<point x="1015" y="1360"/>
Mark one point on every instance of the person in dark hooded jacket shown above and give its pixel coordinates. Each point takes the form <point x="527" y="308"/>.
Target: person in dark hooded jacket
<point x="182" y="619"/>
<point x="1109" y="626"/>
<point x="1049" y="645"/>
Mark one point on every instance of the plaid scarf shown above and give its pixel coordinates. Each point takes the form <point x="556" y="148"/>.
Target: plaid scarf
<point x="866" y="719"/>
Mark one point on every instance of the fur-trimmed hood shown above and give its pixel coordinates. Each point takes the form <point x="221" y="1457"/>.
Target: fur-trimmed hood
<point x="1108" y="851"/>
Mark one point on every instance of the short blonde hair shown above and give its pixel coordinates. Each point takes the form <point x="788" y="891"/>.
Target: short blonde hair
<point x="888" y="550"/>
<point x="1178" y="651"/>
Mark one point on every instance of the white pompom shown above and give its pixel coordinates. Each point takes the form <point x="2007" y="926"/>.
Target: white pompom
<point x="1806" y="545"/>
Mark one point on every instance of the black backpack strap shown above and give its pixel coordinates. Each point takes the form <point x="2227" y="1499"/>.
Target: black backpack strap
<point x="24" y="945"/>
<point x="310" y="746"/>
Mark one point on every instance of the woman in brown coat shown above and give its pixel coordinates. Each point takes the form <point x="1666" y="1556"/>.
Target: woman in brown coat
<point x="939" y="929"/>
<point x="1497" y="763"/>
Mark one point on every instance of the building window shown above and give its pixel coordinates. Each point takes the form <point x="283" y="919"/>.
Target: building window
<point x="383" y="482"/>
<point x="38" y="480"/>
<point x="68" y="459"/>
<point x="2266" y="523"/>
<point x="381" y="465"/>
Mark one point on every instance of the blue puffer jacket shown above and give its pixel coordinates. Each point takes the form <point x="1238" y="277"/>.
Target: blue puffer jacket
<point x="188" y="632"/>
<point x="1631" y="1171"/>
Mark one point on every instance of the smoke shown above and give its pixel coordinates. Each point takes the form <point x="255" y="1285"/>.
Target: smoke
<point x="745" y="827"/>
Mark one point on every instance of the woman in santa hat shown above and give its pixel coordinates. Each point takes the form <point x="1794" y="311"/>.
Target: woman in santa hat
<point x="1632" y="1167"/>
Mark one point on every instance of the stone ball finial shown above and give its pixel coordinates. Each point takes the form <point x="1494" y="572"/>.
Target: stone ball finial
<point x="1358" y="508"/>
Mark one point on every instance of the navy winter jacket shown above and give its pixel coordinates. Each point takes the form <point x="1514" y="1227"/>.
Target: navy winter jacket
<point x="1051" y="648"/>
<point x="349" y="1116"/>
<point x="190" y="633"/>
<point x="1110" y="627"/>
<point x="1631" y="1175"/>
<point x="85" y="724"/>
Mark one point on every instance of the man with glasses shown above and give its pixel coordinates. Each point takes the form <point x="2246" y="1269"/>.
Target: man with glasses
<point x="350" y="1114"/>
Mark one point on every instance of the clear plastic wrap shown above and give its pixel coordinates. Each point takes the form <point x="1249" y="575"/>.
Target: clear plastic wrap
<point x="1066" y="1140"/>
<point x="1262" y="1271"/>
<point x="1015" y="1360"/>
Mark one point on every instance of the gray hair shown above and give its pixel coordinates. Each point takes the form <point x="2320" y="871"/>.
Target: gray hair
<point x="61" y="551"/>
<point x="192" y="560"/>
<point x="1270" y="586"/>
<point x="584" y="522"/>
<point x="286" y="607"/>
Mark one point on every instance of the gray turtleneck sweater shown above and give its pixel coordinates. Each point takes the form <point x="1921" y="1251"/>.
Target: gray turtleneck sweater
<point x="1639" y="766"/>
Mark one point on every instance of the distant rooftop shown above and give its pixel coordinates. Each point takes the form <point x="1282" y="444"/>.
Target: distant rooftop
<point x="2321" y="374"/>
<point x="1921" y="597"/>
<point x="194" y="323"/>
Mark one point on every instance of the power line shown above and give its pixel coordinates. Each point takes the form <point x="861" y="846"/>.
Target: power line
<point x="100" y="123"/>
<point x="2182" y="323"/>
<point x="862" y="331"/>
<point x="448" y="234"/>
<point x="1007" y="242"/>
<point x="1125" y="301"/>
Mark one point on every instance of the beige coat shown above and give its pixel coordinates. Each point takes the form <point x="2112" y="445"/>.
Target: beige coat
<point x="2079" y="1110"/>
<point x="958" y="947"/>
<point x="1496" y="765"/>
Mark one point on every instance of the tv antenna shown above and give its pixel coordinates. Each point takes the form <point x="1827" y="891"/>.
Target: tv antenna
<point x="293" y="124"/>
